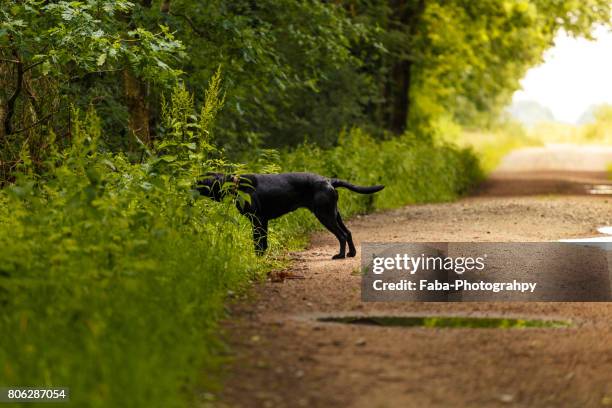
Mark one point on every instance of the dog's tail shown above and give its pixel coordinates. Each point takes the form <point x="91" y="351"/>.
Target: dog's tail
<point x="357" y="189"/>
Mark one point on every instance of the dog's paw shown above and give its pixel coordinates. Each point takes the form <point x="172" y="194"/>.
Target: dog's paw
<point x="351" y="254"/>
<point x="338" y="256"/>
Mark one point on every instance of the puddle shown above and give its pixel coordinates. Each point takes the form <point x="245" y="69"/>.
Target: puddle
<point x="604" y="242"/>
<point x="600" y="189"/>
<point x="447" y="322"/>
<point x="605" y="230"/>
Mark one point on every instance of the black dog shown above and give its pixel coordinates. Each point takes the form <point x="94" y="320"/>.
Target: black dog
<point x="273" y="195"/>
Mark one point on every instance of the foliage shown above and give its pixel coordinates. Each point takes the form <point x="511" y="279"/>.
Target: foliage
<point x="495" y="142"/>
<point x="58" y="54"/>
<point x="456" y="59"/>
<point x="288" y="67"/>
<point x="471" y="55"/>
<point x="294" y="71"/>
<point x="596" y="128"/>
<point x="186" y="141"/>
<point x="600" y="130"/>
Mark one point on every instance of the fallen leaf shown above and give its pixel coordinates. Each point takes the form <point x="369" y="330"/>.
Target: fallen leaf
<point x="280" y="276"/>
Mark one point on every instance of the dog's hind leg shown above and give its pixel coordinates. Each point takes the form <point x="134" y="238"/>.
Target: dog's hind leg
<point x="328" y="219"/>
<point x="260" y="234"/>
<point x="325" y="208"/>
<point x="349" y="237"/>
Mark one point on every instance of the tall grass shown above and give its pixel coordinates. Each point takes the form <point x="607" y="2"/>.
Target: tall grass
<point x="113" y="290"/>
<point x="596" y="131"/>
<point x="113" y="275"/>
<point x="491" y="145"/>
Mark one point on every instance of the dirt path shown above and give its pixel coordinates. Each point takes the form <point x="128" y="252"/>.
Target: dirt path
<point x="285" y="358"/>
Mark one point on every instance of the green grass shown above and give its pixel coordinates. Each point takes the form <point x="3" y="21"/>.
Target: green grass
<point x="115" y="291"/>
<point x="492" y="145"/>
<point x="113" y="276"/>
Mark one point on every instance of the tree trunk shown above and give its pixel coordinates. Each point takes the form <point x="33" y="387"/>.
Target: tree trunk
<point x="400" y="90"/>
<point x="9" y="111"/>
<point x="164" y="7"/>
<point x="4" y="76"/>
<point x="138" y="119"/>
<point x="406" y="13"/>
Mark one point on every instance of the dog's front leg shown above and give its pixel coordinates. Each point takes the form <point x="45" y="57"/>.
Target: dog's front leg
<point x="260" y="234"/>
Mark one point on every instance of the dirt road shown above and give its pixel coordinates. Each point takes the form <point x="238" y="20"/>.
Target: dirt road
<point x="285" y="358"/>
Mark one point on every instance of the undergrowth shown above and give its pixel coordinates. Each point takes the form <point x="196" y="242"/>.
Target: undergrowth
<point x="493" y="144"/>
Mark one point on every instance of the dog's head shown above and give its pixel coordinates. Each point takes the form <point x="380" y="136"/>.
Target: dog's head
<point x="212" y="185"/>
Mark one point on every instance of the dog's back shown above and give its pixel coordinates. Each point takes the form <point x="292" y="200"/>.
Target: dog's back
<point x="278" y="194"/>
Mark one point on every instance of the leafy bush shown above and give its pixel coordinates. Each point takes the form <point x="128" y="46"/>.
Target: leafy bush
<point x="492" y="144"/>
<point x="112" y="279"/>
<point x="113" y="274"/>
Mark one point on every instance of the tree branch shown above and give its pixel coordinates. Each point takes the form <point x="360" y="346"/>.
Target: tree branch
<point x="35" y="123"/>
<point x="10" y="105"/>
<point x="191" y="24"/>
<point x="29" y="67"/>
<point x="164" y="7"/>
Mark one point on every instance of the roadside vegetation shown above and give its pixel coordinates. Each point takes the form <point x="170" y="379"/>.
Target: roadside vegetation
<point x="596" y="130"/>
<point x="493" y="143"/>
<point x="114" y="273"/>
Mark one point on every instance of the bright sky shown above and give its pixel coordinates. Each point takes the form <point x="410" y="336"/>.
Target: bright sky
<point x="576" y="74"/>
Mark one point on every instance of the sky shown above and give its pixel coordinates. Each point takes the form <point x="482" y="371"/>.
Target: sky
<point x="576" y="73"/>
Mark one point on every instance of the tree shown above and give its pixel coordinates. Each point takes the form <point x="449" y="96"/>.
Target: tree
<point x="54" y="53"/>
<point x="293" y="70"/>
<point x="462" y="58"/>
<point x="289" y="71"/>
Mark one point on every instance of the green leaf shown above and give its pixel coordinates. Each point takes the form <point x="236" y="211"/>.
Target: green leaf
<point x="46" y="67"/>
<point x="244" y="196"/>
<point x="101" y="59"/>
<point x="168" y="158"/>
